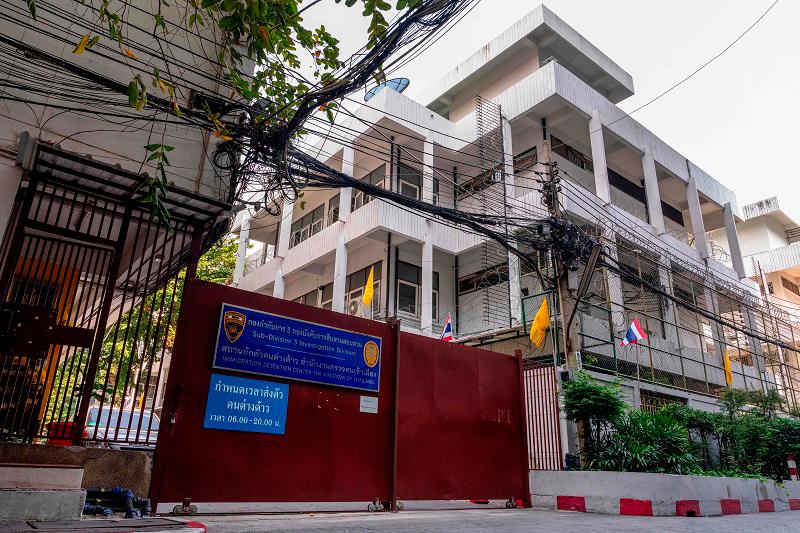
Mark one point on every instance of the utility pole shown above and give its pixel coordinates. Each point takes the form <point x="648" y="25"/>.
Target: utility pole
<point x="566" y="304"/>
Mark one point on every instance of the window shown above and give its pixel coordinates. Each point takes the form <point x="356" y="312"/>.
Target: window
<point x="790" y="286"/>
<point x="409" y="290"/>
<point x="309" y="225"/>
<point x="483" y="279"/>
<point x="525" y="160"/>
<point x="481" y="181"/>
<point x="326" y="296"/>
<point x="407" y="296"/>
<point x="571" y="154"/>
<point x="333" y="210"/>
<point x="409" y="181"/>
<point x="355" y="289"/>
<point x="376" y="177"/>
<point x="309" y="298"/>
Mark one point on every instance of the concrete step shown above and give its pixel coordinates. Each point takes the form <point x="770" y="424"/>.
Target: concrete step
<point x="42" y="477"/>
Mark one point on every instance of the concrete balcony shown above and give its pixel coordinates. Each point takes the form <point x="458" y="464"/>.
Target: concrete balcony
<point x="783" y="258"/>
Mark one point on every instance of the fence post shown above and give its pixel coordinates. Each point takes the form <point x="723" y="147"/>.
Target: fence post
<point x="394" y="323"/>
<point x="525" y="452"/>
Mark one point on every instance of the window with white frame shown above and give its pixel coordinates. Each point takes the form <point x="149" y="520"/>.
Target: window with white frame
<point x="376" y="177"/>
<point x="409" y="181"/>
<point x="356" y="283"/>
<point x="308" y="225"/>
<point x="409" y="290"/>
<point x="333" y="210"/>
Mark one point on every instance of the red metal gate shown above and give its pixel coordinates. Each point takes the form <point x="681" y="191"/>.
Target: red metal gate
<point x="450" y="422"/>
<point x="544" y="425"/>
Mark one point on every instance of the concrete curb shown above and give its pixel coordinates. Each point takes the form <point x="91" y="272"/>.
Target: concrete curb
<point x="641" y="494"/>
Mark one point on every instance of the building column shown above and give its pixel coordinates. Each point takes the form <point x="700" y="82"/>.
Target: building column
<point x="426" y="315"/>
<point x="514" y="291"/>
<point x="696" y="214"/>
<point x="241" y="251"/>
<point x="427" y="171"/>
<point x="671" y="332"/>
<point x="733" y="241"/>
<point x="284" y="236"/>
<point x="654" y="212"/>
<point x="10" y="176"/>
<point x="712" y="306"/>
<point x="601" y="185"/>
<point x="340" y="266"/>
<point x="614" y="283"/>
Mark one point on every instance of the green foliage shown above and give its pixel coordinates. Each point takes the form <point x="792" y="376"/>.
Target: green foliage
<point x="269" y="33"/>
<point x="747" y="438"/>
<point x="595" y="408"/>
<point x="645" y="442"/>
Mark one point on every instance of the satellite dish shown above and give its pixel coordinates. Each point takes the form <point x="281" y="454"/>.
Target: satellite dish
<point x="398" y="84"/>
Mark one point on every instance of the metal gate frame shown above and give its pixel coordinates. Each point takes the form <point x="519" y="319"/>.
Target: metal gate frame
<point x="334" y="453"/>
<point x="88" y="282"/>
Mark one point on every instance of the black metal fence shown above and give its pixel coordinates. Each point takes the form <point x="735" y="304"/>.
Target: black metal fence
<point x="90" y="284"/>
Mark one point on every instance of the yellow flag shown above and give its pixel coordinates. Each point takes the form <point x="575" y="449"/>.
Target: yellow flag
<point x="368" y="288"/>
<point x="727" y="362"/>
<point x="540" y="324"/>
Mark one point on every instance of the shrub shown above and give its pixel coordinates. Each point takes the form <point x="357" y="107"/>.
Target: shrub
<point x="645" y="442"/>
<point x="595" y="408"/>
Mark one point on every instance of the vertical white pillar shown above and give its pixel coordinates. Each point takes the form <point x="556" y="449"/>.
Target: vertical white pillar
<point x="340" y="273"/>
<point x="340" y="265"/>
<point x="665" y="280"/>
<point x="514" y="291"/>
<point x="426" y="322"/>
<point x="615" y="297"/>
<point x="10" y="177"/>
<point x="346" y="193"/>
<point x="696" y="214"/>
<point x="427" y="171"/>
<point x="279" y="287"/>
<point x="284" y="236"/>
<point x="654" y="211"/>
<point x="241" y="251"/>
<point x="601" y="186"/>
<point x="733" y="241"/>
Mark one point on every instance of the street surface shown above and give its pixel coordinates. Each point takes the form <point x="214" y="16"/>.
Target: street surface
<point x="496" y="521"/>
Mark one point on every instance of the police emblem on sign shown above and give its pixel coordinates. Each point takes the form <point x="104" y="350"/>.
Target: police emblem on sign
<point x="234" y="322"/>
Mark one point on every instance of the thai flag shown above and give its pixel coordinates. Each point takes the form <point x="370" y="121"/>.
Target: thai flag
<point x="447" y="331"/>
<point x="634" y="334"/>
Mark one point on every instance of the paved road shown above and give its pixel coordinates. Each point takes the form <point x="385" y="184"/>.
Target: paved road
<point x="496" y="521"/>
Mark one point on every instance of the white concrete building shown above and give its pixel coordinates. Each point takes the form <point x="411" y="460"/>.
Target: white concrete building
<point x="770" y="243"/>
<point x="551" y="84"/>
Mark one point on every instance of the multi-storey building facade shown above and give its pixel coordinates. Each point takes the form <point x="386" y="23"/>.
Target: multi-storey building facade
<point x="557" y="94"/>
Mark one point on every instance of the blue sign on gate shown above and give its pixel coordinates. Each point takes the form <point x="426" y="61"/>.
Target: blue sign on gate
<point x="274" y="345"/>
<point x="244" y="404"/>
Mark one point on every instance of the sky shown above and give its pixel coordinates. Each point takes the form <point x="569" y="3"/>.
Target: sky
<point x="737" y="119"/>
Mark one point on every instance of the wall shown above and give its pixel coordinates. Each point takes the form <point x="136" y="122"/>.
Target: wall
<point x="602" y="492"/>
<point x="103" y="468"/>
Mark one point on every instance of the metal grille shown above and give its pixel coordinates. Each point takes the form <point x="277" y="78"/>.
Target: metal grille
<point x="90" y="286"/>
<point x="541" y="404"/>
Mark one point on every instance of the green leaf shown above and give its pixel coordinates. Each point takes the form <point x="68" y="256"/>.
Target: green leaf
<point x="32" y="8"/>
<point x="208" y="3"/>
<point x="133" y="92"/>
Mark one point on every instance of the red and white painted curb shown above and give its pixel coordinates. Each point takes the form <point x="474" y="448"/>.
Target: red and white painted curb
<point x="792" y="467"/>
<point x="690" y="508"/>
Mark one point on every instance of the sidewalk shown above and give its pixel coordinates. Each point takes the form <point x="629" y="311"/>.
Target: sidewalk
<point x="494" y="521"/>
<point x="98" y="525"/>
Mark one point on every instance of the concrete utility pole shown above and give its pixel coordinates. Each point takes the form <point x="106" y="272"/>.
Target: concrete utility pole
<point x="566" y="305"/>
